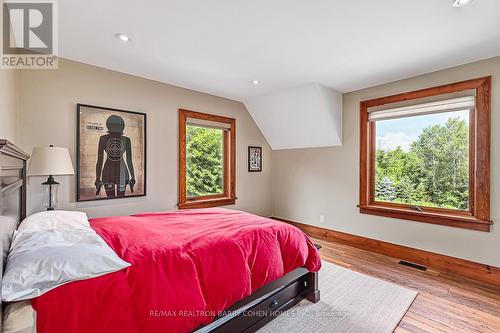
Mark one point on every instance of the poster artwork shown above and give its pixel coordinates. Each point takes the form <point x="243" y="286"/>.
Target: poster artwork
<point x="254" y="159"/>
<point x="111" y="153"/>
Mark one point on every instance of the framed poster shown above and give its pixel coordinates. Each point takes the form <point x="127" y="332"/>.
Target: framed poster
<point x="111" y="153"/>
<point x="254" y="159"/>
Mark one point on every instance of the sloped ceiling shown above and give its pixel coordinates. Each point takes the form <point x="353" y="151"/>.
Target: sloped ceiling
<point x="309" y="115"/>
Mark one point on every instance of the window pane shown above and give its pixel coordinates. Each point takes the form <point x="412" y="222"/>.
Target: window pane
<point x="424" y="160"/>
<point x="204" y="161"/>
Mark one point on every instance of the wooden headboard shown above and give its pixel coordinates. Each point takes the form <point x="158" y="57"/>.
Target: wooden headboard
<point x="12" y="194"/>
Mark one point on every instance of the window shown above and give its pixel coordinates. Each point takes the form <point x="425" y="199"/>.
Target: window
<point x="422" y="157"/>
<point x="428" y="160"/>
<point x="206" y="160"/>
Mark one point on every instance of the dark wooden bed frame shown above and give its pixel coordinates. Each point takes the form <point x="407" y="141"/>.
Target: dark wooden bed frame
<point x="266" y="303"/>
<point x="12" y="197"/>
<point x="247" y="315"/>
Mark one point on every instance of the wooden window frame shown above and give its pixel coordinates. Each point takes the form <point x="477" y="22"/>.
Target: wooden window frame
<point x="478" y="216"/>
<point x="228" y="197"/>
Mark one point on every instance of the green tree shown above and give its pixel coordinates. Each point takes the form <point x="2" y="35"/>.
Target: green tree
<point x="204" y="161"/>
<point x="434" y="172"/>
<point x="391" y="164"/>
<point x="405" y="190"/>
<point x="444" y="155"/>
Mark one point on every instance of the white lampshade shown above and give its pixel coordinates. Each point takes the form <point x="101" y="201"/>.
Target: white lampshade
<point x="53" y="161"/>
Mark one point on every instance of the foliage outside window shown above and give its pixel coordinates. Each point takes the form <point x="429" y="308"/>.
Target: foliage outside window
<point x="206" y="160"/>
<point x="430" y="169"/>
<point x="429" y="160"/>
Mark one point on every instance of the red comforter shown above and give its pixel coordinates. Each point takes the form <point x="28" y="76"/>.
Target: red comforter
<point x="186" y="267"/>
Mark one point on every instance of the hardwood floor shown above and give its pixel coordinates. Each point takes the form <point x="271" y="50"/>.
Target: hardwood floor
<point x="445" y="303"/>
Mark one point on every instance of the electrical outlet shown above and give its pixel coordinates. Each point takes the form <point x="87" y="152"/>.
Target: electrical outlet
<point x="322" y="219"/>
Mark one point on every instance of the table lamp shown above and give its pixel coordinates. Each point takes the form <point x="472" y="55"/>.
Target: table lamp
<point x="50" y="161"/>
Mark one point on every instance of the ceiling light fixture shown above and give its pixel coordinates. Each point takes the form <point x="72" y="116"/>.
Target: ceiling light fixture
<point x="255" y="82"/>
<point x="122" y="37"/>
<point x="460" y="3"/>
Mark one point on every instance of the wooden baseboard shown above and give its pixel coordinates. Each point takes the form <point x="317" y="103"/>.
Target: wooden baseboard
<point x="469" y="269"/>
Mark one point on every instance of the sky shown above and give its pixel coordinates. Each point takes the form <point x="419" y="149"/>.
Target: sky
<point x="403" y="131"/>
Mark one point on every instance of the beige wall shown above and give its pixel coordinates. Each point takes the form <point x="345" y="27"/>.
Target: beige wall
<point x="8" y="104"/>
<point x="324" y="181"/>
<point x="47" y="115"/>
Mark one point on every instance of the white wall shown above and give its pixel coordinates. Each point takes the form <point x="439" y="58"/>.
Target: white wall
<point x="308" y="115"/>
<point x="8" y="104"/>
<point x="310" y="182"/>
<point x="47" y="115"/>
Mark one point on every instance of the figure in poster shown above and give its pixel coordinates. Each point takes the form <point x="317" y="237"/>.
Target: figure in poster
<point x="117" y="172"/>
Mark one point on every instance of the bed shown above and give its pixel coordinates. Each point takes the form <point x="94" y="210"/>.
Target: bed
<point x="209" y="270"/>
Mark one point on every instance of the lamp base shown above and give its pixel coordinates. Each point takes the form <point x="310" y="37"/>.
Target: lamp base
<point x="51" y="187"/>
<point x="50" y="181"/>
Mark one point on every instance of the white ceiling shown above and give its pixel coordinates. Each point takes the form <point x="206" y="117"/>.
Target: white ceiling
<point x="220" y="46"/>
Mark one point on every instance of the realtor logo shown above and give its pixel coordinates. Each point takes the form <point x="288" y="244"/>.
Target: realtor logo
<point x="29" y="34"/>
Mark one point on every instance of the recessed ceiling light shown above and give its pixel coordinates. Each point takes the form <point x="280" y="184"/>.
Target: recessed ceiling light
<point x="122" y="37"/>
<point x="460" y="3"/>
<point x="255" y="82"/>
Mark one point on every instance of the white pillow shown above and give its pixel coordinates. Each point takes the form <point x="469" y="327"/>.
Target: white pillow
<point x="39" y="261"/>
<point x="56" y="219"/>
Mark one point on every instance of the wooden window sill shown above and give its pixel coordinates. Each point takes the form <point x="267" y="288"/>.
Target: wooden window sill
<point x="458" y="221"/>
<point x="207" y="203"/>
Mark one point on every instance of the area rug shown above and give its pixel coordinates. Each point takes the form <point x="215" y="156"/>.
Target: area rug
<point x="350" y="302"/>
